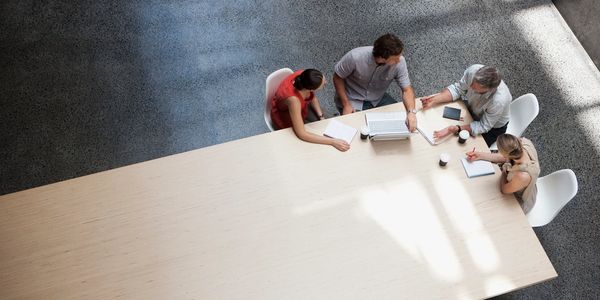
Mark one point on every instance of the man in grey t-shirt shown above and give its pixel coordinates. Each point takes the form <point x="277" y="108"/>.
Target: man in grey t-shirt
<point x="364" y="74"/>
<point x="487" y="97"/>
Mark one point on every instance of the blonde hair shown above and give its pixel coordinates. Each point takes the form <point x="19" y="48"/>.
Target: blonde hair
<point x="511" y="145"/>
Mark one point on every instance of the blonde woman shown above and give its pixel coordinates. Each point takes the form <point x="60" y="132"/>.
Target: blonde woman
<point x="520" y="169"/>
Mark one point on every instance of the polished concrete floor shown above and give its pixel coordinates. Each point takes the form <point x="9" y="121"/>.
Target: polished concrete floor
<point x="95" y="85"/>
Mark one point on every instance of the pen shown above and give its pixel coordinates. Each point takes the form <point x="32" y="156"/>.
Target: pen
<point x="473" y="149"/>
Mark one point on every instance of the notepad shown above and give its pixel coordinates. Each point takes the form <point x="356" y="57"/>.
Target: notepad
<point x="338" y="130"/>
<point x="477" y="168"/>
<point x="451" y="113"/>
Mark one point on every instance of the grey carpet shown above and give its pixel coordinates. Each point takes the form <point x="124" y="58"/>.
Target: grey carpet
<point x="97" y="85"/>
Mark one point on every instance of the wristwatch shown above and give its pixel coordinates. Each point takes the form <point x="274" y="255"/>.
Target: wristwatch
<point x="414" y="111"/>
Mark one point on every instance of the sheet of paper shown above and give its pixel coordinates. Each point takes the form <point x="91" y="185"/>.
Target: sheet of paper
<point x="338" y="130"/>
<point x="426" y="132"/>
<point x="477" y="168"/>
<point x="431" y="119"/>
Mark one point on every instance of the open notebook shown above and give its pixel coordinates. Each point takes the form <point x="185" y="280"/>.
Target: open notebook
<point x="477" y="168"/>
<point x="387" y="125"/>
<point x="338" y="130"/>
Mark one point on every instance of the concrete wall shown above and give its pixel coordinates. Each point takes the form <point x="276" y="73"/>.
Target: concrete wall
<point x="583" y="18"/>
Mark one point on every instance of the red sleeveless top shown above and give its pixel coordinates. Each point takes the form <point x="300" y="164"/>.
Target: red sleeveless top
<point x="279" y="110"/>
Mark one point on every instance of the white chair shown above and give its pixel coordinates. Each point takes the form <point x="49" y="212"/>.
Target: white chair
<point x="554" y="191"/>
<point x="522" y="112"/>
<point x="273" y="81"/>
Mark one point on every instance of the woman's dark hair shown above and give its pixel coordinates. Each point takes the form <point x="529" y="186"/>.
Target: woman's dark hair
<point x="387" y="45"/>
<point x="309" y="79"/>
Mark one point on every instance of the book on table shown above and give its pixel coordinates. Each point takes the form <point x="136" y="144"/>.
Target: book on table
<point x="477" y="168"/>
<point x="387" y="125"/>
<point x="338" y="130"/>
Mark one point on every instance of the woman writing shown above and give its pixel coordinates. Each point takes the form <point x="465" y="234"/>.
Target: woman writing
<point x="520" y="168"/>
<point x="290" y="106"/>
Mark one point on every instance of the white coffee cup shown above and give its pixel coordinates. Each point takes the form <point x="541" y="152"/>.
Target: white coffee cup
<point x="444" y="159"/>
<point x="463" y="135"/>
<point x="364" y="132"/>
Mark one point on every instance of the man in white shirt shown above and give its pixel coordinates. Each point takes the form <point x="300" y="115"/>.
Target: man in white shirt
<point x="487" y="97"/>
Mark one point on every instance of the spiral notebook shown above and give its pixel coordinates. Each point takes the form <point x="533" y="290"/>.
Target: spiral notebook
<point x="477" y="168"/>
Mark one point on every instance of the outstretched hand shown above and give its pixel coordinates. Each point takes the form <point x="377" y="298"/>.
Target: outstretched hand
<point x="440" y="134"/>
<point x="428" y="101"/>
<point x="340" y="145"/>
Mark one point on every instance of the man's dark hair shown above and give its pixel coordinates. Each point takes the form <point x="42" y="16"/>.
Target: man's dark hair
<point x="309" y="79"/>
<point x="387" y="45"/>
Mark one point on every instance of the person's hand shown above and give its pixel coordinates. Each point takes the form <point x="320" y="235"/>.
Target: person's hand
<point x="348" y="109"/>
<point x="440" y="134"/>
<point x="506" y="168"/>
<point x="340" y="145"/>
<point x="411" y="121"/>
<point x="428" y="101"/>
<point x="474" y="155"/>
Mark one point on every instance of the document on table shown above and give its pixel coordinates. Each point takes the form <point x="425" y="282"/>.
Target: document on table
<point x="431" y="119"/>
<point x="425" y="131"/>
<point x="338" y="130"/>
<point x="477" y="168"/>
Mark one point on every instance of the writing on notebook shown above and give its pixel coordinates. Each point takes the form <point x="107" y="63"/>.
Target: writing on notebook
<point x="477" y="168"/>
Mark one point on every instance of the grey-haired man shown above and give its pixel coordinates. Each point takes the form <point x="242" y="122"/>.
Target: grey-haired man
<point x="487" y="98"/>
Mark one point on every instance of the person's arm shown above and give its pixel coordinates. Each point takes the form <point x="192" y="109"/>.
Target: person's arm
<point x="408" y="97"/>
<point x="452" y="129"/>
<point x="340" y="89"/>
<point x="317" y="107"/>
<point x="453" y="91"/>
<point x="443" y="96"/>
<point x="519" y="181"/>
<point x="295" y="111"/>
<point x="491" y="157"/>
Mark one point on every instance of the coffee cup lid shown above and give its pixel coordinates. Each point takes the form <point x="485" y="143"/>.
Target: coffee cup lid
<point x="445" y="157"/>
<point x="464" y="134"/>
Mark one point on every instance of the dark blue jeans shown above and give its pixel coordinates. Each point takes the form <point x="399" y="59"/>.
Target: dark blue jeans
<point x="491" y="136"/>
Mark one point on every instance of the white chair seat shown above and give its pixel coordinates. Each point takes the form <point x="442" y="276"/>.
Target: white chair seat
<point x="554" y="191"/>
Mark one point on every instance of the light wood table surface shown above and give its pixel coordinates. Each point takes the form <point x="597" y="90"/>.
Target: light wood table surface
<point x="272" y="217"/>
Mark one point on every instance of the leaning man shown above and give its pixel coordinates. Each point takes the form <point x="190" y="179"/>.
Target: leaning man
<point x="487" y="97"/>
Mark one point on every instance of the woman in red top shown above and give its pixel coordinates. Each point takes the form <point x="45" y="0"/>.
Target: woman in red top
<point x="290" y="106"/>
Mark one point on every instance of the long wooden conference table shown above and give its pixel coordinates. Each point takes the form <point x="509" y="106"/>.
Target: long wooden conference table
<point x="272" y="217"/>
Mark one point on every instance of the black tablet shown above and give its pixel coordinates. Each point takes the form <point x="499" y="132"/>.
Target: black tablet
<point x="451" y="113"/>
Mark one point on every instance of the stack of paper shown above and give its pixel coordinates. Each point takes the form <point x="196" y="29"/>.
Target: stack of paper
<point x="338" y="130"/>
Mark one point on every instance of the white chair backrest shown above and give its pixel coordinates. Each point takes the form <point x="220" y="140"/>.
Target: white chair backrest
<point x="273" y="82"/>
<point x="554" y="191"/>
<point x="522" y="112"/>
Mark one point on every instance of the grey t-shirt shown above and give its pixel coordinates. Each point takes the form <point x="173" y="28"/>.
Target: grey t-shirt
<point x="367" y="81"/>
<point x="489" y="110"/>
